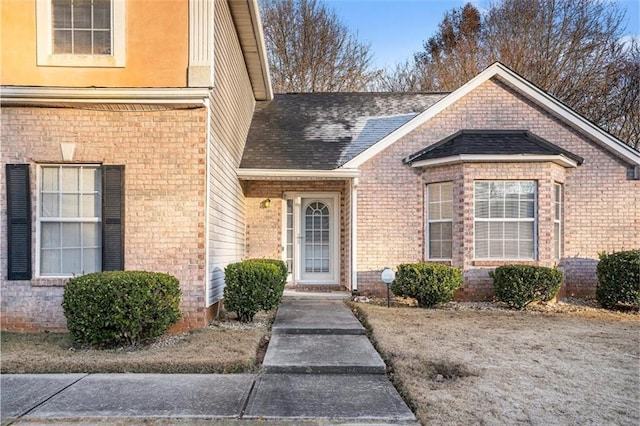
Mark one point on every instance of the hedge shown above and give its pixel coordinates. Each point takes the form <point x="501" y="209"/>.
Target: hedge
<point x="619" y="279"/>
<point x="106" y="309"/>
<point x="519" y="285"/>
<point x="254" y="285"/>
<point x="428" y="283"/>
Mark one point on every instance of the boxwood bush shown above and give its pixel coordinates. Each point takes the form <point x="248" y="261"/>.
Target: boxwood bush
<point x="619" y="279"/>
<point x="107" y="309"/>
<point x="254" y="285"/>
<point x="519" y="285"/>
<point x="428" y="283"/>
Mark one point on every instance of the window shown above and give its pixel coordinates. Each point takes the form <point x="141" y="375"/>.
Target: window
<point x="70" y="217"/>
<point x="440" y="220"/>
<point x="82" y="27"/>
<point x="557" y="220"/>
<point x="81" y="33"/>
<point x="505" y="219"/>
<point x="289" y="237"/>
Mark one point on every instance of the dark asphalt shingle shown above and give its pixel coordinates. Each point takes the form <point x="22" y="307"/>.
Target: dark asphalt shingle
<point x="490" y="142"/>
<point x="322" y="131"/>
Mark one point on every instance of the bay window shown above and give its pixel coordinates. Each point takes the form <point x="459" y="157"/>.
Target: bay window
<point x="505" y="220"/>
<point x="440" y="220"/>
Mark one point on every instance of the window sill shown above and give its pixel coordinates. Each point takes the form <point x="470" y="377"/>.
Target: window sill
<point x="440" y="261"/>
<point x="493" y="263"/>
<point x="50" y="281"/>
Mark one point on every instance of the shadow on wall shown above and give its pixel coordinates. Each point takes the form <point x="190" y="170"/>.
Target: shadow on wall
<point x="580" y="278"/>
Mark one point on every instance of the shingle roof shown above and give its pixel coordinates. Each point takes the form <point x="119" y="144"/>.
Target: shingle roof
<point x="490" y="142"/>
<point x="322" y="131"/>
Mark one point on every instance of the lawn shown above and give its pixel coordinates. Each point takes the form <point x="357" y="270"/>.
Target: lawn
<point x="226" y="347"/>
<point x="480" y="364"/>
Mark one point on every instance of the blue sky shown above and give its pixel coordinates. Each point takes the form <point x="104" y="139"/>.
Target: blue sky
<point x="397" y="28"/>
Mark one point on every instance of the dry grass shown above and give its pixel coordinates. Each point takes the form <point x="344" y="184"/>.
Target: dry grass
<point x="223" y="348"/>
<point x="479" y="364"/>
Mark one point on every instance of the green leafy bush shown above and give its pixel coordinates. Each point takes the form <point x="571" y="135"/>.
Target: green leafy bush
<point x="120" y="307"/>
<point x="519" y="285"/>
<point x="254" y="285"/>
<point x="619" y="279"/>
<point x="428" y="283"/>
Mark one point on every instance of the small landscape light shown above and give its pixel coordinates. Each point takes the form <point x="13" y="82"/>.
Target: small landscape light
<point x="387" y="277"/>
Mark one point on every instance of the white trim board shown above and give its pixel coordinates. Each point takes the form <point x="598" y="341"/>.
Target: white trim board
<point x="252" y="174"/>
<point x="521" y="85"/>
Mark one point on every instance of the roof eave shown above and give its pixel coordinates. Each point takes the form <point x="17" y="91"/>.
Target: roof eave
<point x="253" y="47"/>
<point x="258" y="174"/>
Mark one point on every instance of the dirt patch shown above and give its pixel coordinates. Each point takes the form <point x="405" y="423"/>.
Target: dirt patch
<point x="481" y="364"/>
<point x="225" y="347"/>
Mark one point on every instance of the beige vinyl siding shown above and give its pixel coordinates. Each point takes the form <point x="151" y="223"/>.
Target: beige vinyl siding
<point x="231" y="111"/>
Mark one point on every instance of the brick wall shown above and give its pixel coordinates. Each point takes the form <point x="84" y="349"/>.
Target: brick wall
<point x="264" y="225"/>
<point x="602" y="206"/>
<point x="163" y="152"/>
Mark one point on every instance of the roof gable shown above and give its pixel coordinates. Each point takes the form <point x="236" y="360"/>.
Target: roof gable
<point x="521" y="85"/>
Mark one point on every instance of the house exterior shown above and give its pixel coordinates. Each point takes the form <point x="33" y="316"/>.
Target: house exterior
<point x="495" y="172"/>
<point x="122" y="128"/>
<point x="123" y="148"/>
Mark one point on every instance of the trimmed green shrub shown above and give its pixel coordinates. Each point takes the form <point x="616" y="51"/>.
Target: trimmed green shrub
<point x="108" y="309"/>
<point x="619" y="279"/>
<point x="428" y="283"/>
<point x="254" y="285"/>
<point x="519" y="285"/>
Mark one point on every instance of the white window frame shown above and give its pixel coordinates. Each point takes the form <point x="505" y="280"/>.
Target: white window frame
<point x="534" y="220"/>
<point x="429" y="221"/>
<point x="558" y="212"/>
<point x="44" y="29"/>
<point x="40" y="219"/>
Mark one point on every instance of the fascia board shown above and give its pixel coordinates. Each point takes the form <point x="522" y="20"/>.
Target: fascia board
<point x="249" y="174"/>
<point x="483" y="158"/>
<point x="39" y="95"/>
<point x="254" y="10"/>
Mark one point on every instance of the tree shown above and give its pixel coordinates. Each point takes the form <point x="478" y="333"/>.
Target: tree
<point x="454" y="55"/>
<point x="572" y="49"/>
<point x="310" y="50"/>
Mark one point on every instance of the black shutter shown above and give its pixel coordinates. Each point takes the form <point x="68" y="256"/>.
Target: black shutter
<point x="18" y="222"/>
<point x="112" y="218"/>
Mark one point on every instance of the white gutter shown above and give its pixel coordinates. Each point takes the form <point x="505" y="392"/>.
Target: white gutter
<point x="37" y="95"/>
<point x="207" y="204"/>
<point x="249" y="174"/>
<point x="483" y="158"/>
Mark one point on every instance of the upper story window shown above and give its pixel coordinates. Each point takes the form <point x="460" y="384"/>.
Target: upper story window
<point x="505" y="220"/>
<point x="82" y="27"/>
<point x="81" y="33"/>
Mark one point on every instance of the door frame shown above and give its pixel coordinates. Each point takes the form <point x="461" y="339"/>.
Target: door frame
<point x="336" y="223"/>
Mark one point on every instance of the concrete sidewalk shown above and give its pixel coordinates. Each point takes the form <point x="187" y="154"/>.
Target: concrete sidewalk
<point x="319" y="369"/>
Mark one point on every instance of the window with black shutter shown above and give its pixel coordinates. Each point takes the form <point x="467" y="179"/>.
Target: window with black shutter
<point x="18" y="222"/>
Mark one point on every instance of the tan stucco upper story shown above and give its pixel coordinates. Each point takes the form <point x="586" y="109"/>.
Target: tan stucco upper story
<point x="164" y="43"/>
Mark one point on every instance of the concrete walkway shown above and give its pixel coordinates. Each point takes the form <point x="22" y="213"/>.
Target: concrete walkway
<point x="319" y="368"/>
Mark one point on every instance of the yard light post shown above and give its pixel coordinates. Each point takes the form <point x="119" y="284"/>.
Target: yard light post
<point x="387" y="278"/>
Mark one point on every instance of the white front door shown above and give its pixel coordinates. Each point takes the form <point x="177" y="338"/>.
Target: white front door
<point x="315" y="248"/>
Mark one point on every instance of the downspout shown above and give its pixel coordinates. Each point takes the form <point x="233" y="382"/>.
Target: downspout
<point x="354" y="234"/>
<point x="207" y="206"/>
